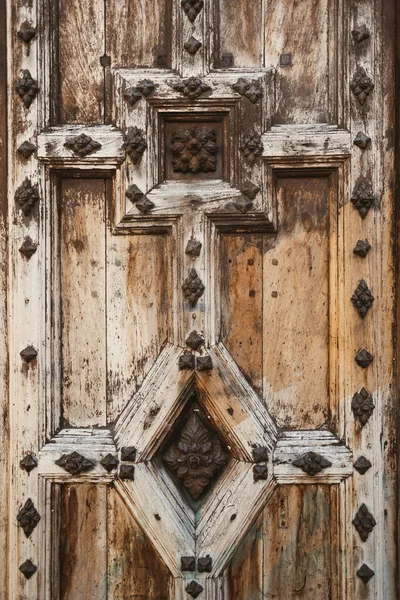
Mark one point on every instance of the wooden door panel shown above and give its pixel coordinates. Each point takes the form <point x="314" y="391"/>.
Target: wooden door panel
<point x="200" y="300"/>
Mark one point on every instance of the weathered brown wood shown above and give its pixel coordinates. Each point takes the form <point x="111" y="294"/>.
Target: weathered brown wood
<point x="81" y="45"/>
<point x="244" y="575"/>
<point x="296" y="304"/>
<point x="239" y="33"/>
<point x="134" y="568"/>
<point x="241" y="303"/>
<point x="83" y="542"/>
<point x="82" y="206"/>
<point x="150" y="49"/>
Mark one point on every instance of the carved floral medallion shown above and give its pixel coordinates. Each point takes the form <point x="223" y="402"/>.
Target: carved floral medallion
<point x="192" y="88"/>
<point x="194" y="150"/>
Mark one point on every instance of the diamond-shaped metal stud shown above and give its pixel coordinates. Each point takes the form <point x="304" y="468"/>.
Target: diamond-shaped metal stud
<point x="260" y="454"/>
<point x="192" y="45"/>
<point x="204" y="564"/>
<point x="29" y="462"/>
<point x="312" y="463"/>
<point x="128" y="453"/>
<point x="27" y="88"/>
<point x="26" y="149"/>
<point x="74" y="463"/>
<point x="134" y="193"/>
<point x="193" y="248"/>
<point x="360" y="33"/>
<point x="28" y="568"/>
<point x="28" y="517"/>
<point x="362" y="197"/>
<point x="260" y="472"/>
<point x="194" y="340"/>
<point x="186" y="362"/>
<point x="188" y="563"/>
<point x="362" y="248"/>
<point x="28" y="354"/>
<point x="361" y="140"/>
<point x="132" y="95"/>
<point x="193" y="287"/>
<point x="242" y="204"/>
<point x="146" y="87"/>
<point x="204" y="363"/>
<point x="82" y="145"/>
<point x="250" y="190"/>
<point x="26" y="32"/>
<point x="365" y="573"/>
<point x="362" y="465"/>
<point x="127" y="472"/>
<point x="363" y="358"/>
<point x="145" y="205"/>
<point x="28" y="248"/>
<point x="27" y="196"/>
<point x="362" y="406"/>
<point x="194" y="589"/>
<point x="192" y="8"/>
<point x="362" y="298"/>
<point x="364" y="522"/>
<point x="109" y="462"/>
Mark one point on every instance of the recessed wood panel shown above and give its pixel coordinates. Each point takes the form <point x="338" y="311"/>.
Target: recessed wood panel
<point x="238" y="32"/>
<point x="83" y="300"/>
<point x="143" y="35"/>
<point x="81" y="75"/>
<point x="244" y="574"/>
<point x="134" y="568"/>
<point x="82" y="542"/>
<point x="241" y="302"/>
<point x="301" y="87"/>
<point x="296" y="304"/>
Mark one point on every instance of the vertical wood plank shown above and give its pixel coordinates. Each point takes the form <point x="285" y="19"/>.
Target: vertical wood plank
<point x="296" y="305"/>
<point x="138" y="312"/>
<point x="81" y="44"/>
<point x="241" y="266"/>
<point x="83" y="301"/>
<point x="134" y="568"/>
<point x="298" y="543"/>
<point x="83" y="542"/>
<point x="239" y="32"/>
<point x="299" y="29"/>
<point x="152" y="48"/>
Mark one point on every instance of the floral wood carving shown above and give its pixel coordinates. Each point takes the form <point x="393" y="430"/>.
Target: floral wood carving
<point x="362" y="298"/>
<point x="361" y="85"/>
<point x="28" y="517"/>
<point x="82" y="144"/>
<point x="365" y="573"/>
<point x="312" y="463"/>
<point x="135" y="144"/>
<point x="193" y="287"/>
<point x="192" y="88"/>
<point x="192" y="45"/>
<point x="28" y="569"/>
<point x="26" y="196"/>
<point x="248" y="89"/>
<point x="362" y="197"/>
<point x="192" y="8"/>
<point x="251" y="147"/>
<point x="196" y="457"/>
<point x="194" y="150"/>
<point x="27" y="88"/>
<point x="362" y="406"/>
<point x="364" y="522"/>
<point x="74" y="463"/>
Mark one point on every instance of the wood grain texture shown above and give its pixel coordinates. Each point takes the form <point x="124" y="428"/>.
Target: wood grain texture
<point x="296" y="305"/>
<point x="135" y="570"/>
<point x="301" y="29"/>
<point x="241" y="302"/>
<point x="299" y="546"/>
<point x="124" y="44"/>
<point x="239" y="32"/>
<point x="83" y="300"/>
<point x="81" y="44"/>
<point x="83" y="543"/>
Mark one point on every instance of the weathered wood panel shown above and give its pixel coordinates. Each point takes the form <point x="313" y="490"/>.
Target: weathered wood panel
<point x="296" y="305"/>
<point x="299" y="548"/>
<point x="244" y="575"/>
<point x="81" y="44"/>
<point x="239" y="32"/>
<point x="138" y="312"/>
<point x="134" y="568"/>
<point x="83" y="301"/>
<point x="83" y="542"/>
<point x="129" y="49"/>
<point x="241" y="268"/>
<point x="299" y="29"/>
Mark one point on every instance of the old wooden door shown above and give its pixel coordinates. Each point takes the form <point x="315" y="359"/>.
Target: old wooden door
<point x="200" y="300"/>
